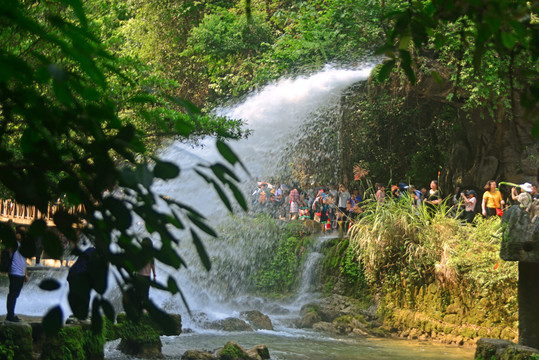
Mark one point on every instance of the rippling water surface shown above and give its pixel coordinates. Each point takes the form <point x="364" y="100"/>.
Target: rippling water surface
<point x="295" y="344"/>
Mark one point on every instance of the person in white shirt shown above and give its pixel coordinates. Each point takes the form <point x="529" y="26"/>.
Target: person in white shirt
<point x="469" y="206"/>
<point x="18" y="275"/>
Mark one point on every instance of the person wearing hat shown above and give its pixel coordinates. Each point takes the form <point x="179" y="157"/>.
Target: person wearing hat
<point x="469" y="206"/>
<point x="524" y="198"/>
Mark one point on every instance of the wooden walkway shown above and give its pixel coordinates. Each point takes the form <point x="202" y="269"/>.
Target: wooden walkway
<point x="24" y="215"/>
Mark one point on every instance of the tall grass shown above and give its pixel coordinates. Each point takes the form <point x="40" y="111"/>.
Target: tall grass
<point x="397" y="242"/>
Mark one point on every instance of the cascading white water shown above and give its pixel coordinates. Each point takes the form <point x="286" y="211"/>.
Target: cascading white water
<point x="274" y="114"/>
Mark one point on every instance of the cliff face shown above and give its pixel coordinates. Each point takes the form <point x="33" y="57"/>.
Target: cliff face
<point x="499" y="147"/>
<point x="467" y="147"/>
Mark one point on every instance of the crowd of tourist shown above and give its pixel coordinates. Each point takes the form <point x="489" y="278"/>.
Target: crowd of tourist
<point x="331" y="205"/>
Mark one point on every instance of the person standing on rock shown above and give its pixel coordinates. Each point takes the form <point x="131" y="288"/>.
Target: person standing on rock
<point x="144" y="274"/>
<point x="79" y="278"/>
<point x="18" y="275"/>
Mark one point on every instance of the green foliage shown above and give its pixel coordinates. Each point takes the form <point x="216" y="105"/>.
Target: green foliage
<point x="110" y="330"/>
<point x="16" y="342"/>
<point x="281" y="274"/>
<point x="61" y="137"/>
<point x="399" y="246"/>
<point x="8" y="348"/>
<point x="351" y="268"/>
<point x="342" y="269"/>
<point x="93" y="344"/>
<point x="270" y="264"/>
<point x="225" y="34"/>
<point x="280" y="264"/>
<point x="474" y="35"/>
<point x="395" y="137"/>
<point x="217" y="49"/>
<point x="66" y="345"/>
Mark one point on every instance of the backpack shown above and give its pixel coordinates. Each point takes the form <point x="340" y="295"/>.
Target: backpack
<point x="6" y="258"/>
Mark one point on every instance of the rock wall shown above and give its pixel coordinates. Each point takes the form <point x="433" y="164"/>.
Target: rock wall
<point x="449" y="315"/>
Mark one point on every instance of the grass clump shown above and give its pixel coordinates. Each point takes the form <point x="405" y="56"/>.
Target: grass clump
<point x="430" y="262"/>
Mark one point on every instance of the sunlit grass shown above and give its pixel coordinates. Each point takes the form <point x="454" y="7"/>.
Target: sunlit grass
<point x="397" y="238"/>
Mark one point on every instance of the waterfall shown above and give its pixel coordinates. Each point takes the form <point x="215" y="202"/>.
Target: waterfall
<point x="274" y="114"/>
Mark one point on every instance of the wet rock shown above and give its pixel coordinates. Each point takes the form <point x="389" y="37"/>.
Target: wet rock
<point x="278" y="310"/>
<point x="230" y="324"/>
<point x="198" y="355"/>
<point x="140" y="340"/>
<point x="359" y="332"/>
<point x="347" y="323"/>
<point x="231" y="351"/>
<point x="336" y="306"/>
<point x="325" y="327"/>
<point x="495" y="349"/>
<point x="259" y="352"/>
<point x="148" y="320"/>
<point x="307" y="320"/>
<point x="414" y="334"/>
<point x="257" y="320"/>
<point x="234" y="351"/>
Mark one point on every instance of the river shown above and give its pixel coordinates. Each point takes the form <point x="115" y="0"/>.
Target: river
<point x="296" y="344"/>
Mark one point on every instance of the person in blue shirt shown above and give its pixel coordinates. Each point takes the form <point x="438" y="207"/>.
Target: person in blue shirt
<point x="356" y="197"/>
<point x="18" y="275"/>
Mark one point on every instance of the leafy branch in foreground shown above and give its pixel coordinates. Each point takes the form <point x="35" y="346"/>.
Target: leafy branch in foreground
<point x="61" y="138"/>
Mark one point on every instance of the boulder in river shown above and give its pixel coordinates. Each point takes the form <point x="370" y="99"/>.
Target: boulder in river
<point x="259" y="352"/>
<point x="325" y="327"/>
<point x="503" y="349"/>
<point x="257" y="320"/>
<point x="234" y="351"/>
<point x="231" y="351"/>
<point x="139" y="340"/>
<point x="198" y="355"/>
<point x="230" y="324"/>
<point x="308" y="319"/>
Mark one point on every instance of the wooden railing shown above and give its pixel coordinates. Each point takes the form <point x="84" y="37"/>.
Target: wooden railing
<point x="26" y="214"/>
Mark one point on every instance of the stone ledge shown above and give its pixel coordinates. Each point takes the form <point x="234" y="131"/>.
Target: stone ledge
<point x="495" y="349"/>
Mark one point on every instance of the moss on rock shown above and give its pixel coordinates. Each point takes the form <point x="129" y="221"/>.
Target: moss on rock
<point x="93" y="345"/>
<point x="16" y="341"/>
<point x="139" y="339"/>
<point x="232" y="351"/>
<point x="67" y="344"/>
